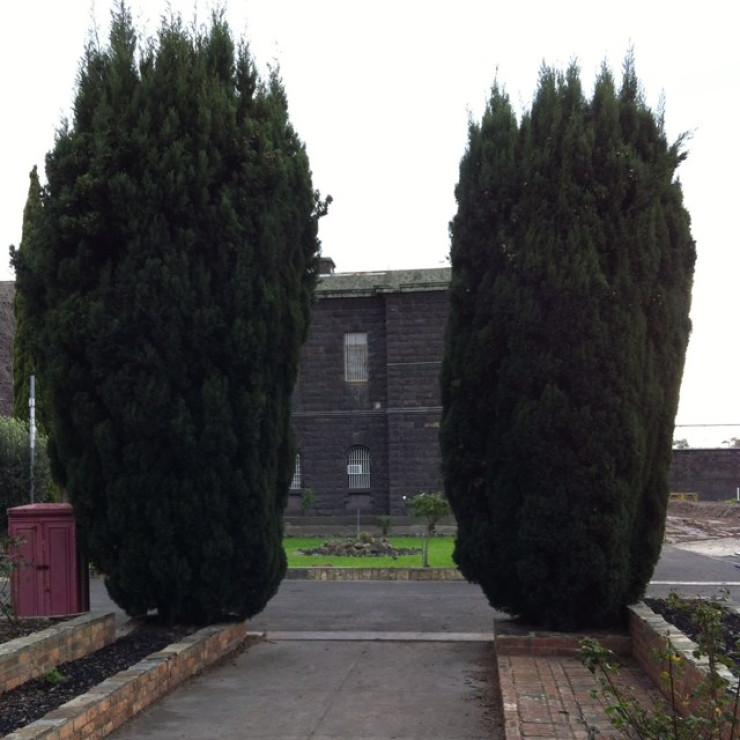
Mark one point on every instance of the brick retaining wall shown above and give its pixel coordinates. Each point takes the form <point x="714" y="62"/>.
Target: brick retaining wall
<point x="29" y="657"/>
<point x="513" y="639"/>
<point x="648" y="631"/>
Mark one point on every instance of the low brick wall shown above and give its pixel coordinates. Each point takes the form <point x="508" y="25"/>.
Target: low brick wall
<point x="515" y="639"/>
<point x="29" y="657"/>
<point x="111" y="703"/>
<point x="375" y="574"/>
<point x="648" y="631"/>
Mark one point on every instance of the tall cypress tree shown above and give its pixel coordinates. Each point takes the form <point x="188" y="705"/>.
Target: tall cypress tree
<point x="23" y="363"/>
<point x="172" y="293"/>
<point x="572" y="267"/>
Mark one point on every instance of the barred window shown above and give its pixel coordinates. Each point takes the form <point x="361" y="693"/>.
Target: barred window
<point x="297" y="483"/>
<point x="358" y="467"/>
<point x="355" y="357"/>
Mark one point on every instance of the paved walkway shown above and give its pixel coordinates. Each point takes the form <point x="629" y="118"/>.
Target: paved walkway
<point x="328" y="688"/>
<point x="550" y="698"/>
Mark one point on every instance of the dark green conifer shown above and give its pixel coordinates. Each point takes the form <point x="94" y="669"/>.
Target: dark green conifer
<point x="572" y="267"/>
<point x="23" y="364"/>
<point x="173" y="288"/>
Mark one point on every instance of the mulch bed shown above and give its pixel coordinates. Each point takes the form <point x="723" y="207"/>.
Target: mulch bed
<point x="11" y="630"/>
<point x="682" y="619"/>
<point x="34" y="699"/>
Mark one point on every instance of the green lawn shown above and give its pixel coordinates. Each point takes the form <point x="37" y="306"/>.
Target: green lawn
<point x="440" y="554"/>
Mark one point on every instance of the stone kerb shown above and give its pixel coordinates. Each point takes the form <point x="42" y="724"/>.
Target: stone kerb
<point x="29" y="657"/>
<point x="117" y="699"/>
<point x="328" y="573"/>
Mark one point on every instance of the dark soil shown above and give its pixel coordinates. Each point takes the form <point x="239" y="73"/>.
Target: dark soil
<point x="11" y="630"/>
<point x="32" y="700"/>
<point x="682" y="618"/>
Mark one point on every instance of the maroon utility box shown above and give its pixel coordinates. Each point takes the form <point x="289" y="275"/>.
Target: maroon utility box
<point x="53" y="580"/>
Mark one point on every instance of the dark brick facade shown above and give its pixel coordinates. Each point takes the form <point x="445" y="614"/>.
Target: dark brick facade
<point x="713" y="474"/>
<point x="395" y="413"/>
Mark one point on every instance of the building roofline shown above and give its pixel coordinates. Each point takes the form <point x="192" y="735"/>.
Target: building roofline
<point x="355" y="284"/>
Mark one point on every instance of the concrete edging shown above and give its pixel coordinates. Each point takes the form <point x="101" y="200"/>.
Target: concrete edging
<point x="329" y="573"/>
<point x="29" y="657"/>
<point x="117" y="699"/>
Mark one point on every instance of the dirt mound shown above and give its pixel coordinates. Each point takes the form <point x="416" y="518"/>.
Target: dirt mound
<point x="702" y="520"/>
<point x="704" y="509"/>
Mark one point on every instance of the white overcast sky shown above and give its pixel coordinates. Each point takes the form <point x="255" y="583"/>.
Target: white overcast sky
<point x="381" y="91"/>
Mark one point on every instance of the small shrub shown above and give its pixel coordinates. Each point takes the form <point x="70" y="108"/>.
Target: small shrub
<point x="15" y="468"/>
<point x="10" y="562"/>
<point x="308" y="498"/>
<point x="431" y="507"/>
<point x="385" y="523"/>
<point x="53" y="677"/>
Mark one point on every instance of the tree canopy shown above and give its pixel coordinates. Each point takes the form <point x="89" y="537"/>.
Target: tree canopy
<point x="23" y="363"/>
<point x="168" y="292"/>
<point x="572" y="266"/>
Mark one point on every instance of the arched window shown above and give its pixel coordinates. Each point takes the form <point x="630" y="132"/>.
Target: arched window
<point x="297" y="483"/>
<point x="358" y="467"/>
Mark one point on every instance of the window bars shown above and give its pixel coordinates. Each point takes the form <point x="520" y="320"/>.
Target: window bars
<point x="297" y="483"/>
<point x="355" y="357"/>
<point x="358" y="468"/>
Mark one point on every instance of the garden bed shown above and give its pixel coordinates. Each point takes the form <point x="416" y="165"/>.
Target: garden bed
<point x="682" y="619"/>
<point x="33" y="699"/>
<point x="440" y="553"/>
<point x="98" y="709"/>
<point x="649" y="630"/>
<point x="12" y="630"/>
<point x="32" y="655"/>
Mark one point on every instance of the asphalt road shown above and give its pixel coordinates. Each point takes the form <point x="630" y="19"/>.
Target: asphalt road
<point x="440" y="606"/>
<point x="387" y="606"/>
<point x="695" y="573"/>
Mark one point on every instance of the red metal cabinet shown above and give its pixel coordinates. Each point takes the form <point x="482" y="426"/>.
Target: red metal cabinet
<point x="55" y="581"/>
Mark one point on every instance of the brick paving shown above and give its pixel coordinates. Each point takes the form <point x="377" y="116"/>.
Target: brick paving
<point x="549" y="697"/>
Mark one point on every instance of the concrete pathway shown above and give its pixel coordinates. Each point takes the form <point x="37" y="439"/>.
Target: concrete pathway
<point x="333" y="688"/>
<point x="401" y="660"/>
<point x="366" y="660"/>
